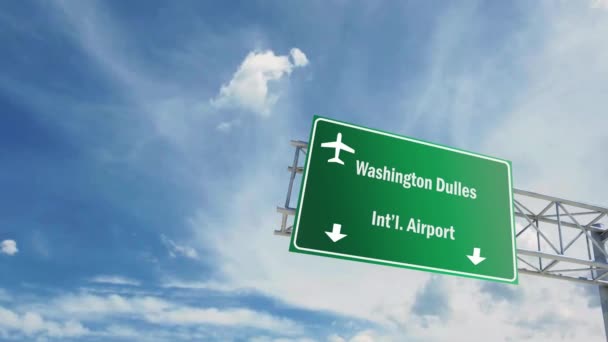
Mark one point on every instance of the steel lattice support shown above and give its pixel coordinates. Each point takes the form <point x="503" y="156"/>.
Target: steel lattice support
<point x="556" y="238"/>
<point x="294" y="169"/>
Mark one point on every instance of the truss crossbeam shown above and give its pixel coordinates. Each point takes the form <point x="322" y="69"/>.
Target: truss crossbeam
<point x="562" y="258"/>
<point x="562" y="277"/>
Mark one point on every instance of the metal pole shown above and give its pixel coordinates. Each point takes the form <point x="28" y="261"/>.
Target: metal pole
<point x="603" y="290"/>
<point x="285" y="210"/>
<point x="294" y="168"/>
<point x="559" y="229"/>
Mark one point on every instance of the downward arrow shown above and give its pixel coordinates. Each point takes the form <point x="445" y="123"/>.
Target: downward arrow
<point x="475" y="258"/>
<point x="335" y="234"/>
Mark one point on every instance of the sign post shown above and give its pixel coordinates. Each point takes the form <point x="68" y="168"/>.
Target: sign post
<point x="381" y="198"/>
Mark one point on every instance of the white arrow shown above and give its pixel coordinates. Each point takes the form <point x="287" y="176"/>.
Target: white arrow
<point x="475" y="258"/>
<point x="335" y="234"/>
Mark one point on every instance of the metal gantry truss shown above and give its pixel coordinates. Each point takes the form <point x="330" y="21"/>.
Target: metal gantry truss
<point x="556" y="238"/>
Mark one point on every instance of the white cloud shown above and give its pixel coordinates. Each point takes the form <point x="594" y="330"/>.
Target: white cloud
<point x="299" y="58"/>
<point x="88" y="305"/>
<point x="200" y="285"/>
<point x="123" y="332"/>
<point x="54" y="318"/>
<point x="603" y="4"/>
<point x="32" y="324"/>
<point x="176" y="250"/>
<point x="114" y="280"/>
<point x="8" y="247"/>
<point x="228" y="317"/>
<point x="227" y="126"/>
<point x="158" y="311"/>
<point x="280" y="339"/>
<point x="335" y="338"/>
<point x="369" y="336"/>
<point x="362" y="336"/>
<point x="560" y="120"/>
<point x="249" y="87"/>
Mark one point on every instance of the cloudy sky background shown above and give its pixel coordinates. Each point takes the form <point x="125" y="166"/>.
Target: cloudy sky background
<point x="144" y="149"/>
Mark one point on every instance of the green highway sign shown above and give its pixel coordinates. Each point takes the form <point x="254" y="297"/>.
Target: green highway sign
<point x="381" y="198"/>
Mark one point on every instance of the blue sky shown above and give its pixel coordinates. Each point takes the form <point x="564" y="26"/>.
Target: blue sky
<point x="144" y="146"/>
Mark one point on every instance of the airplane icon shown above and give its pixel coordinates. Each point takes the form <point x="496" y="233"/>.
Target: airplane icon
<point x="339" y="146"/>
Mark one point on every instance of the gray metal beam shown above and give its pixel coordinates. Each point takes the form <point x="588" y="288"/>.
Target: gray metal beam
<point x="561" y="200"/>
<point x="563" y="223"/>
<point x="561" y="277"/>
<point x="287" y="211"/>
<point x="563" y="258"/>
<point x="299" y="143"/>
<point x="600" y="256"/>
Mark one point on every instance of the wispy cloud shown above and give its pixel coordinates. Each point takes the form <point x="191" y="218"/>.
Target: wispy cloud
<point x="114" y="280"/>
<point x="200" y="285"/>
<point x="176" y="112"/>
<point x="363" y="336"/>
<point x="249" y="87"/>
<point x="8" y="247"/>
<point x="159" y="311"/>
<point x="227" y="126"/>
<point x="176" y="250"/>
<point x="280" y="339"/>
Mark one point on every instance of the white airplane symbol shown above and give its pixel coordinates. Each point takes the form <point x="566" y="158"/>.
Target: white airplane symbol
<point x="339" y="146"/>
